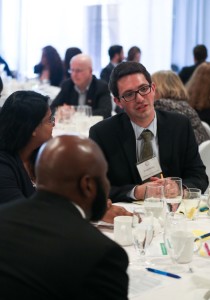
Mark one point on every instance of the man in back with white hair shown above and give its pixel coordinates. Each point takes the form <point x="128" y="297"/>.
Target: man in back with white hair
<point x="83" y="88"/>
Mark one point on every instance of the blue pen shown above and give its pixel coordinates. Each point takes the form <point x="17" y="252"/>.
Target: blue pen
<point x="203" y="236"/>
<point x="163" y="273"/>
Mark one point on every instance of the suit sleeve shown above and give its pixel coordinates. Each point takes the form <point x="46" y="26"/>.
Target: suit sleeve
<point x="103" y="101"/>
<point x="109" y="276"/>
<point x="184" y="76"/>
<point x="105" y="75"/>
<point x="59" y="100"/>
<point x="117" y="193"/>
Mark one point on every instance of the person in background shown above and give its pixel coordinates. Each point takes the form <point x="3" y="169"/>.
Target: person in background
<point x="70" y="52"/>
<point x="49" y="250"/>
<point x="200" y="54"/>
<point x="50" y="69"/>
<point x="116" y="56"/>
<point x="1" y="86"/>
<point x="171" y="95"/>
<point x="198" y="88"/>
<point x="173" y="148"/>
<point x="6" y="67"/>
<point x="26" y="122"/>
<point x="83" y="88"/>
<point x="134" y="54"/>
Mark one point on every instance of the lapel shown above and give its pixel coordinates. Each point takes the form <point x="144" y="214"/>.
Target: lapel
<point x="127" y="139"/>
<point x="91" y="91"/>
<point x="164" y="142"/>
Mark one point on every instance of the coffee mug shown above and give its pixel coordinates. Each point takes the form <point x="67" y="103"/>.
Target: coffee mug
<point x="123" y="230"/>
<point x="184" y="246"/>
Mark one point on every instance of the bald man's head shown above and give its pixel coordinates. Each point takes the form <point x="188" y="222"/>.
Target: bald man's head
<point x="75" y="168"/>
<point x="81" y="70"/>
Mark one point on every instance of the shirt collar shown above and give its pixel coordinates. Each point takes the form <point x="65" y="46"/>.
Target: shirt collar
<point x="152" y="127"/>
<point x="80" y="210"/>
<point x="86" y="89"/>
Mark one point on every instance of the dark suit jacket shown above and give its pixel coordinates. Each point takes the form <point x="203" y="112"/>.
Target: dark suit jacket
<point x="48" y="251"/>
<point x="14" y="180"/>
<point x="186" y="72"/>
<point x="106" y="72"/>
<point x="98" y="97"/>
<point x="178" y="152"/>
<point x="204" y="115"/>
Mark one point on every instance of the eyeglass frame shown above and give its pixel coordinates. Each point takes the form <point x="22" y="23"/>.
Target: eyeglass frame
<point x="51" y="119"/>
<point x="137" y="92"/>
<point x="77" y="70"/>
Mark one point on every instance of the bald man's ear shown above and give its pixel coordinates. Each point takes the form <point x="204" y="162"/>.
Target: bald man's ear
<point x="88" y="187"/>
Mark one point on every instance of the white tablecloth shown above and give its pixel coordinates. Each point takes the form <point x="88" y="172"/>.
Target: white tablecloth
<point x="145" y="285"/>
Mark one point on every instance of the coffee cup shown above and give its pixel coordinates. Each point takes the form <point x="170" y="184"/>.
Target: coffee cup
<point x="184" y="246"/>
<point x="123" y="230"/>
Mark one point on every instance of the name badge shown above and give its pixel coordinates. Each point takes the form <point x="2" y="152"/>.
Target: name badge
<point x="149" y="168"/>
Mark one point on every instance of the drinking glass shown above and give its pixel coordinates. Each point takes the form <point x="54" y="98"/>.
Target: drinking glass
<point x="154" y="200"/>
<point x="173" y="193"/>
<point x="191" y="201"/>
<point x="142" y="232"/>
<point x="84" y="110"/>
<point x="63" y="117"/>
<point x="208" y="201"/>
<point x="175" y="226"/>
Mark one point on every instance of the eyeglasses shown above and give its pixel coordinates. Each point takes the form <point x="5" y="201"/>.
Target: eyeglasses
<point x="131" y="96"/>
<point x="76" y="70"/>
<point x="51" y="119"/>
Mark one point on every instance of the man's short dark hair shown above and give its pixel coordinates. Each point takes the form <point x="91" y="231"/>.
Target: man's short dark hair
<point x="200" y="53"/>
<point x="124" y="69"/>
<point x="115" y="49"/>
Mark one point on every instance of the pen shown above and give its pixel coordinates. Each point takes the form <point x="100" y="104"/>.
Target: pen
<point x="207" y="248"/>
<point x="203" y="236"/>
<point x="204" y="208"/>
<point x="163" y="273"/>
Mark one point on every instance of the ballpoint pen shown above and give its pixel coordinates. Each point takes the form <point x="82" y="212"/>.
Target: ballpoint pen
<point x="207" y="248"/>
<point x="203" y="236"/>
<point x="163" y="273"/>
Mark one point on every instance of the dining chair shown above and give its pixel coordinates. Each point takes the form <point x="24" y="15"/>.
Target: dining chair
<point x="207" y="127"/>
<point x="204" y="150"/>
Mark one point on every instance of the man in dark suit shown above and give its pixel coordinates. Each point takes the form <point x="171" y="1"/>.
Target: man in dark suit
<point x="200" y="54"/>
<point x="83" y="88"/>
<point x="49" y="250"/>
<point x="116" y="55"/>
<point x="174" y="146"/>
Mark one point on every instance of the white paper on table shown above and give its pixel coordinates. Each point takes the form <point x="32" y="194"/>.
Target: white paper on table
<point x="194" y="287"/>
<point x="140" y="282"/>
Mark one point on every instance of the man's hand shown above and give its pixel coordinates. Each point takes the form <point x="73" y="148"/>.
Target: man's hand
<point x="140" y="189"/>
<point x="114" y="211"/>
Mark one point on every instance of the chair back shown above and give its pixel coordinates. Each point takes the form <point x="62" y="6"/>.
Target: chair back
<point x="207" y="127"/>
<point x="204" y="150"/>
